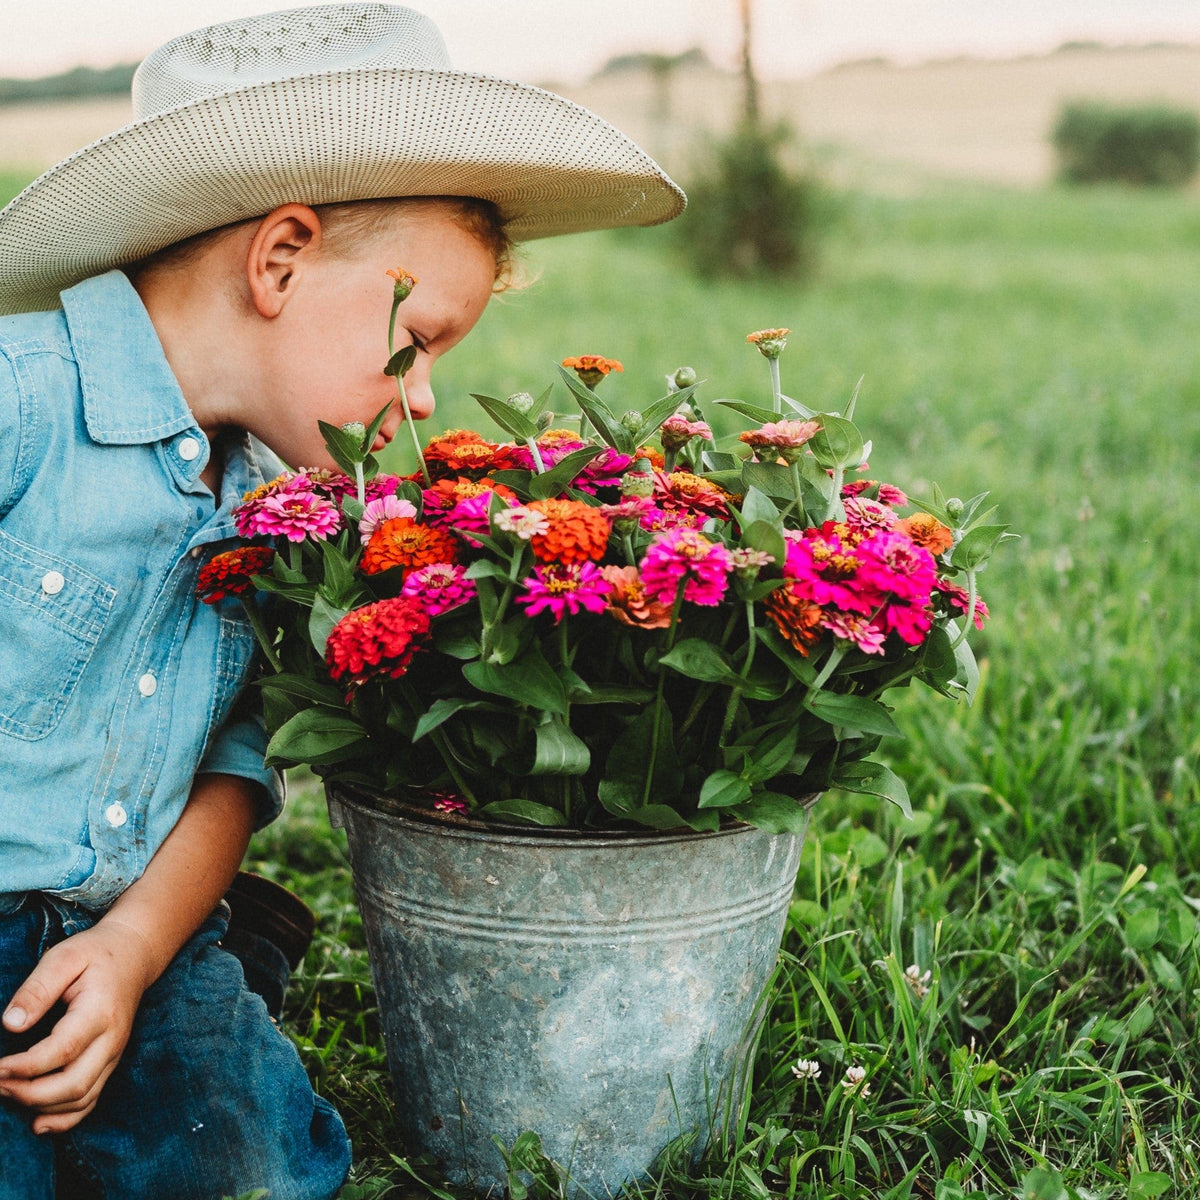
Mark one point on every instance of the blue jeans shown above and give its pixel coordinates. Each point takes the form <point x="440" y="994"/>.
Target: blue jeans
<point x="210" y="1099"/>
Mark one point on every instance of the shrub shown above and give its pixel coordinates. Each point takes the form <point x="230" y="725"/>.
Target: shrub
<point x="1142" y="145"/>
<point x="749" y="211"/>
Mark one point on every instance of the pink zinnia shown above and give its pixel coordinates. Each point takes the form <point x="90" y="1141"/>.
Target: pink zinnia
<point x="888" y="493"/>
<point x="604" y="471"/>
<point x="293" y="515"/>
<point x="868" y="515"/>
<point x="911" y="623"/>
<point x="685" y="555"/>
<point x="864" y="633"/>
<point x="565" y="588"/>
<point x="957" y="598"/>
<point x="781" y="435"/>
<point x="896" y="565"/>
<point x="552" y="449"/>
<point x="439" y="587"/>
<point x="676" y="431"/>
<point x="659" y="520"/>
<point x="827" y="572"/>
<point x="447" y="802"/>
<point x="379" y="510"/>
<point x="470" y="514"/>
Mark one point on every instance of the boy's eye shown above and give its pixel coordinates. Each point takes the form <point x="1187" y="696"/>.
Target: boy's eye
<point x="419" y="342"/>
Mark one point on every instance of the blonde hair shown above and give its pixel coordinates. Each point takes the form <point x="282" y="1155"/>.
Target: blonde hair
<point x="351" y="222"/>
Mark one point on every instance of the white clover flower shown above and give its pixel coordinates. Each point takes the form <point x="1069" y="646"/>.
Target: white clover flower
<point x="806" y="1068"/>
<point x="521" y="522"/>
<point x="855" y="1081"/>
<point x="918" y="981"/>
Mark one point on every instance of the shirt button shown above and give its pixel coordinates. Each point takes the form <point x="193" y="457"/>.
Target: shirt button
<point x="189" y="449"/>
<point x="148" y="685"/>
<point x="116" y="815"/>
<point x="196" y="551"/>
<point x="52" y="583"/>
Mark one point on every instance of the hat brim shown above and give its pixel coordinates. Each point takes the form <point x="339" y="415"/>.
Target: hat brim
<point x="550" y="165"/>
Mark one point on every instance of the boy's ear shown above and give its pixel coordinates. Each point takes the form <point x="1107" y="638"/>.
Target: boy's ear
<point x="285" y="242"/>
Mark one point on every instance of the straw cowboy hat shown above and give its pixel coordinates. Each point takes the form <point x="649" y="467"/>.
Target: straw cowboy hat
<point x="317" y="105"/>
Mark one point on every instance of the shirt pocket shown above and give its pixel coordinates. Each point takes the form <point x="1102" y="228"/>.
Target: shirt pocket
<point x="52" y="613"/>
<point x="235" y="656"/>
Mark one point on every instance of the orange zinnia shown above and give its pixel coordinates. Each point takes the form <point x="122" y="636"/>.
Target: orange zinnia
<point x="578" y="533"/>
<point x="927" y="531"/>
<point x="404" y="542"/>
<point x="464" y="450"/>
<point x="592" y="362"/>
<point x="627" y="601"/>
<point x="796" y="618"/>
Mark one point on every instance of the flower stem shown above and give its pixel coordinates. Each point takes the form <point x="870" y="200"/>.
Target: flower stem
<point x="969" y="615"/>
<point x="776" y="390"/>
<point x="439" y="739"/>
<point x="408" y="417"/>
<point x="538" y="463"/>
<point x="658" y="695"/>
<point x="265" y="640"/>
<point x="735" y="693"/>
<point x="360" y="483"/>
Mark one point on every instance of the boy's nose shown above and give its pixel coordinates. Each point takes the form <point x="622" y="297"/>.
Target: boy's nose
<point x="420" y="397"/>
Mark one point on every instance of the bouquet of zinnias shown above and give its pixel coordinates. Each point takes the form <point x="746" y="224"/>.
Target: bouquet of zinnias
<point x="632" y="626"/>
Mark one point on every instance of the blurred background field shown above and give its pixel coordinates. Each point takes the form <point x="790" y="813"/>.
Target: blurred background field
<point x="1012" y="335"/>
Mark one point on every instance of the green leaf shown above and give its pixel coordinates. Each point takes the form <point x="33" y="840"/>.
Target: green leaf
<point x="976" y="546"/>
<point x="838" y="444"/>
<point x="525" y="812"/>
<point x="519" y="425"/>
<point x="771" y="752"/>
<point x="765" y="535"/>
<point x="1141" y="928"/>
<point x="315" y="736"/>
<point x="345" y="450"/>
<point x="559" y="751"/>
<point x="562" y="474"/>
<point x="440" y="711"/>
<point x="722" y="789"/>
<point x="655" y="414"/>
<point x="528" y="679"/>
<point x="613" y="693"/>
<point x="339" y="586"/>
<point x="854" y="712"/>
<point x="968" y="670"/>
<point x="699" y="659"/>
<point x="874" y="779"/>
<point x="321" y="620"/>
<point x="773" y="812"/>
<point x="302" y="687"/>
<point x="657" y="816"/>
<point x="763" y="416"/>
<point x="377" y="424"/>
<point x="601" y="416"/>
<point x="787" y="654"/>
<point x="630" y="755"/>
<point x="401" y="362"/>
<point x="757" y="506"/>
<point x="1145" y="1185"/>
<point x="1043" y="1183"/>
<point x="770" y="478"/>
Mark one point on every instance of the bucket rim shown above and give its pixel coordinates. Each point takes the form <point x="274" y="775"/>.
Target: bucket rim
<point x="403" y="815"/>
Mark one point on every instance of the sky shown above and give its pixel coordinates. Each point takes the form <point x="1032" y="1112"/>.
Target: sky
<point x="566" y="40"/>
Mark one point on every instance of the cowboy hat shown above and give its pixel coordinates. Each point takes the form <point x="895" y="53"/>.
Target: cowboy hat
<point x="317" y="105"/>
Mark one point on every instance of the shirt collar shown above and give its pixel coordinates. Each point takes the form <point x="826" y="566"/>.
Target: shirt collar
<point x="130" y="395"/>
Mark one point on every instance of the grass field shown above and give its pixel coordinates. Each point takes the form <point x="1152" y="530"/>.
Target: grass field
<point x="1042" y="345"/>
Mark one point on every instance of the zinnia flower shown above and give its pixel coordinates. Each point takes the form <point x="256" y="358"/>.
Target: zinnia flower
<point x="232" y="573"/>
<point x="770" y="342"/>
<point x="439" y="587"/>
<point x="376" y="641"/>
<point x="403" y="542"/>
<point x="796" y="617"/>
<point x="781" y="439"/>
<point x="576" y="533"/>
<point x="682" y="489"/>
<point x="956" y="598"/>
<point x="378" y="511"/>
<point x="565" y="589"/>
<point x="685" y="555"/>
<point x="405" y="282"/>
<point x="885" y="493"/>
<point x="293" y="515"/>
<point x="860" y="631"/>
<point x="676" y="431"/>
<point x="459" y="450"/>
<point x="447" y="802"/>
<point x="591" y="368"/>
<point x="897" y="566"/>
<point x="926" y="530"/>
<point x="628" y="603"/>
<point x="521" y="522"/>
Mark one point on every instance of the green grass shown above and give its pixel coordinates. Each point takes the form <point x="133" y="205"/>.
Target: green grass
<point x="1042" y="345"/>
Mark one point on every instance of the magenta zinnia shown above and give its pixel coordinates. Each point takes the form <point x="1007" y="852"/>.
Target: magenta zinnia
<point x="439" y="587"/>
<point x="376" y="641"/>
<point x="565" y="589"/>
<point x="686" y="556"/>
<point x="292" y="515"/>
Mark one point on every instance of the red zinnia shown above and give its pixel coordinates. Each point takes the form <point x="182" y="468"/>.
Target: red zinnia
<point x="232" y="573"/>
<point x="376" y="641"/>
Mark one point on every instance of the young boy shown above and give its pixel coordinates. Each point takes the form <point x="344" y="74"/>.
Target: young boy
<point x="133" y="1060"/>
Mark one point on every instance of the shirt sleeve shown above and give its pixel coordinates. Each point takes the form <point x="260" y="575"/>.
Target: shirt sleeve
<point x="238" y="749"/>
<point x="10" y="432"/>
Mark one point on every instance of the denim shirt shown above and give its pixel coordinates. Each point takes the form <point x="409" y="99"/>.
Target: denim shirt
<point x="118" y="684"/>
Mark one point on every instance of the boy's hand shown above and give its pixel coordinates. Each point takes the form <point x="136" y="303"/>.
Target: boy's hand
<point x="100" y="974"/>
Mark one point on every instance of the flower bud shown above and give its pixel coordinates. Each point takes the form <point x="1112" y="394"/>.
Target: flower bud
<point x="770" y="342"/>
<point x="544" y="421"/>
<point x="632" y="420"/>
<point x="355" y="429"/>
<point x="684" y="377"/>
<point x="638" y="481"/>
<point x="520" y="402"/>
<point x="954" y="508"/>
<point x="405" y="283"/>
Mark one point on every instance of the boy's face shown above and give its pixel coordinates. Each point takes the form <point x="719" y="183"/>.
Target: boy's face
<point x="330" y="344"/>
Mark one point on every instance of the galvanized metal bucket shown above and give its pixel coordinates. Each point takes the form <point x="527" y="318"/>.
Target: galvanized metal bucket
<point x="601" y="990"/>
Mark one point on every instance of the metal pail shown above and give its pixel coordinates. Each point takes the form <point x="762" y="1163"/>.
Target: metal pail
<point x="600" y="990"/>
